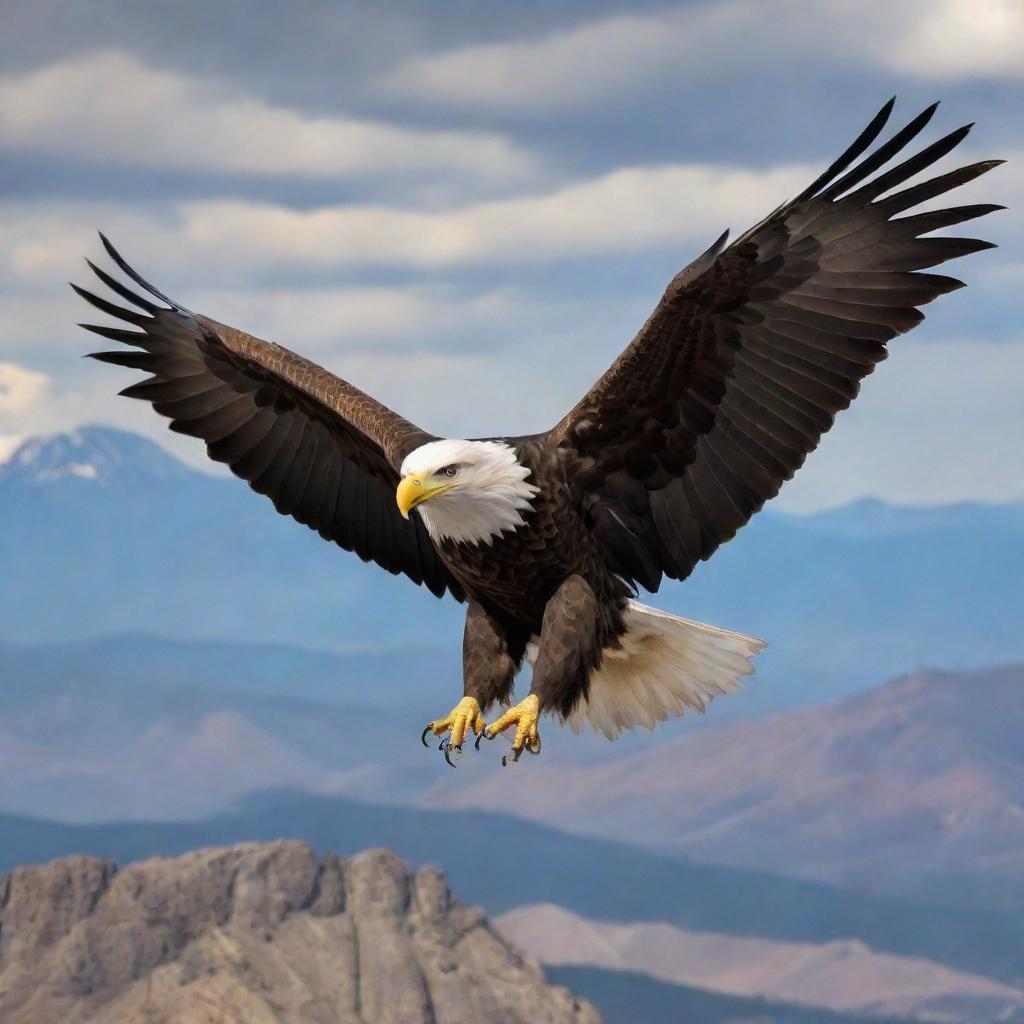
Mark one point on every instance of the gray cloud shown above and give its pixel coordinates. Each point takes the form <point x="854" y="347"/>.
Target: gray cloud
<point x="628" y="210"/>
<point x="107" y="107"/>
<point x="586" y="64"/>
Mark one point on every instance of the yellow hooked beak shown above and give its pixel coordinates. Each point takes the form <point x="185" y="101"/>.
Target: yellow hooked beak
<point x="413" y="491"/>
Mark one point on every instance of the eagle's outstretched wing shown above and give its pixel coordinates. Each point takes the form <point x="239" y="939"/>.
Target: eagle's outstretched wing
<point x="324" y="452"/>
<point x="752" y="351"/>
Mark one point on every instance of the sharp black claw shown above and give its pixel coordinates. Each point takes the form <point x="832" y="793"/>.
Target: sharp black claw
<point x="423" y="737"/>
<point x="447" y="750"/>
<point x="443" y="743"/>
<point x="481" y="735"/>
<point x="504" y="760"/>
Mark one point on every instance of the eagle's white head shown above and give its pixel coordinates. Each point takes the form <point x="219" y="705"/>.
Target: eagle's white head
<point x="465" y="491"/>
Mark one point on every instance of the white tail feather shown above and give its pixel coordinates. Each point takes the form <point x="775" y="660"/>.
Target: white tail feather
<point x="665" y="664"/>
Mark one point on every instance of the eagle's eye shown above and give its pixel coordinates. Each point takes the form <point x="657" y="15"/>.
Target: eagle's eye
<point x="448" y="470"/>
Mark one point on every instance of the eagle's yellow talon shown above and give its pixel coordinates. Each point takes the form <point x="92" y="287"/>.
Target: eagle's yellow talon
<point x="464" y="718"/>
<point x="524" y="717"/>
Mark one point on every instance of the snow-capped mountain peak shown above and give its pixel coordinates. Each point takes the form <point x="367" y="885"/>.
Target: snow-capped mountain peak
<point x="100" y="455"/>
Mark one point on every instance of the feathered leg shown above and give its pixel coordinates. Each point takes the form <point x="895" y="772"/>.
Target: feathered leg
<point x="492" y="652"/>
<point x="570" y="648"/>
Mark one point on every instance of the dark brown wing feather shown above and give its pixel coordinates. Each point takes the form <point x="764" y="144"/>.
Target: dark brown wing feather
<point x="324" y="452"/>
<point x="752" y="351"/>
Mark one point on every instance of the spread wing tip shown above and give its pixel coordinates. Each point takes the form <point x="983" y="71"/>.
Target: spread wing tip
<point x="136" y="276"/>
<point x="831" y="186"/>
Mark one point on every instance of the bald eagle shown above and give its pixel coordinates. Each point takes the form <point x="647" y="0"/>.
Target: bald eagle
<point x="731" y="382"/>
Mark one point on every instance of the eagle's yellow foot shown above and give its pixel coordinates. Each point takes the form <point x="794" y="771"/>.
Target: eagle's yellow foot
<point x="465" y="717"/>
<point x="524" y="717"/>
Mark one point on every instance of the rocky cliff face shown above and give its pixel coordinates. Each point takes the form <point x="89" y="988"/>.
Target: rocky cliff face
<point x="259" y="934"/>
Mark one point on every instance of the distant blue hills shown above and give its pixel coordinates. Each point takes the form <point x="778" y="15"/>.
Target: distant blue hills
<point x="106" y="533"/>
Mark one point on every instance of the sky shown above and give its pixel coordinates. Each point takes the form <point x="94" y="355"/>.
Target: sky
<point x="469" y="208"/>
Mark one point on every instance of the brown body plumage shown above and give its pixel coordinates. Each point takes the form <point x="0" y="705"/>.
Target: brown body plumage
<point x="740" y="369"/>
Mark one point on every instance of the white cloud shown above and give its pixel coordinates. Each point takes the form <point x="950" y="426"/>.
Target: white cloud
<point x="109" y="108"/>
<point x="22" y="391"/>
<point x="26" y="405"/>
<point x="629" y="210"/>
<point x="39" y="313"/>
<point x="959" y="39"/>
<point x="622" y="54"/>
<point x="8" y="445"/>
<point x="354" y="318"/>
<point x="560" y="71"/>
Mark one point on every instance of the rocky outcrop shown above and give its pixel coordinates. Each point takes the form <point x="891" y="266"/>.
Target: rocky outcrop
<point x="259" y="934"/>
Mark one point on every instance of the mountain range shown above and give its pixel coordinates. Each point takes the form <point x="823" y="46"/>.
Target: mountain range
<point x="141" y="727"/>
<point x="107" y="533"/>
<point x="915" y="788"/>
<point x="841" y="977"/>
